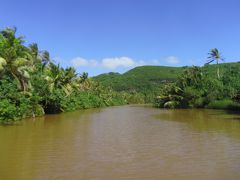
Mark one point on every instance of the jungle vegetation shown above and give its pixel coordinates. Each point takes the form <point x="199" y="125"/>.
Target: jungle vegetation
<point x="147" y="80"/>
<point x="215" y="85"/>
<point x="201" y="87"/>
<point x="31" y="84"/>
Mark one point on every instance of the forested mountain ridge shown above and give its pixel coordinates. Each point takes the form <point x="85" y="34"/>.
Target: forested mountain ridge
<point x="150" y="79"/>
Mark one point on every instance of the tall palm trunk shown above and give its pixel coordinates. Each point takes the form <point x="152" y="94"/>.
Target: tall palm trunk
<point x="214" y="55"/>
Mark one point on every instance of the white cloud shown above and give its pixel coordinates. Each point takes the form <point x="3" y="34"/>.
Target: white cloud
<point x="109" y="63"/>
<point x="172" y="60"/>
<point x="113" y="63"/>
<point x="155" y="62"/>
<point x="119" y="62"/>
<point x="79" y="61"/>
<point x="92" y="62"/>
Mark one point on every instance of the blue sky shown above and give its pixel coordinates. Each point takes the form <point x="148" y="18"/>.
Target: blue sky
<point x="116" y="35"/>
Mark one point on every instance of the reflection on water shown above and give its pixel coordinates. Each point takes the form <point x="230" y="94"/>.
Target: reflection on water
<point x="132" y="142"/>
<point x="205" y="120"/>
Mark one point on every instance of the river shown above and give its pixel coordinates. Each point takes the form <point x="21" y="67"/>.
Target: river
<point x="125" y="142"/>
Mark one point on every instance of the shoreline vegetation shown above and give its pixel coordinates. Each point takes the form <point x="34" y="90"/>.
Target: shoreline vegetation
<point x="215" y="86"/>
<point x="197" y="88"/>
<point x="32" y="85"/>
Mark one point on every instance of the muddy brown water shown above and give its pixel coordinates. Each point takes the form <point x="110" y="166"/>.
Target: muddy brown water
<point x="125" y="142"/>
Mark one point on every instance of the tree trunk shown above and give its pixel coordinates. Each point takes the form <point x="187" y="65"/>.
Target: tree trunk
<point x="218" y="74"/>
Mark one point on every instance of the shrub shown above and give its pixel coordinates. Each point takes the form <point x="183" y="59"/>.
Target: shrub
<point x="224" y="104"/>
<point x="8" y="112"/>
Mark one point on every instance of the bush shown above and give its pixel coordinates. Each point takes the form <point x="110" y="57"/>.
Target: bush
<point x="224" y="104"/>
<point x="52" y="102"/>
<point x="8" y="112"/>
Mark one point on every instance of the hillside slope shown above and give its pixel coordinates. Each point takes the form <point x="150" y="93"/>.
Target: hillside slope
<point x="149" y="79"/>
<point x="140" y="78"/>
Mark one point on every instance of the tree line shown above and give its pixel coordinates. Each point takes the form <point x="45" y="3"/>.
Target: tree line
<point x="31" y="84"/>
<point x="196" y="87"/>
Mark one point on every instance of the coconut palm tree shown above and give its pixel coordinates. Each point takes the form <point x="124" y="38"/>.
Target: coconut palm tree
<point x="34" y="51"/>
<point x="39" y="57"/>
<point x="15" y="57"/>
<point x="84" y="76"/>
<point x="61" y="78"/>
<point x="214" y="55"/>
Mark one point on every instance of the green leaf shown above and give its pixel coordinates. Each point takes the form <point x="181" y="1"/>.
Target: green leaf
<point x="3" y="62"/>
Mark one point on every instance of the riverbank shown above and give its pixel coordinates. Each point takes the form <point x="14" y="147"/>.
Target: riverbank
<point x="31" y="84"/>
<point x="218" y="105"/>
<point x="225" y="105"/>
<point x="196" y="88"/>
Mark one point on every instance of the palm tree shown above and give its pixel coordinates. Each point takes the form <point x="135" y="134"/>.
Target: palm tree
<point x="34" y="51"/>
<point x="57" y="77"/>
<point x="15" y="57"/>
<point x="214" y="55"/>
<point x="84" y="76"/>
<point x="39" y="57"/>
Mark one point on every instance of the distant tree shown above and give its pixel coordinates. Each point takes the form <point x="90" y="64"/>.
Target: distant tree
<point x="214" y="55"/>
<point x="84" y="76"/>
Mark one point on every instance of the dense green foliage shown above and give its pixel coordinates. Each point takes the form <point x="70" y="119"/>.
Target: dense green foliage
<point x="147" y="80"/>
<point x="200" y="87"/>
<point x="32" y="85"/>
<point x="151" y="81"/>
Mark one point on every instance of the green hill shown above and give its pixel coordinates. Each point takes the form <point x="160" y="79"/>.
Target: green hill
<point x="140" y="78"/>
<point x="149" y="79"/>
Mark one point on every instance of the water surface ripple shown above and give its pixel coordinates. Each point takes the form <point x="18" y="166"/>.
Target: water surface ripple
<point x="126" y="142"/>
